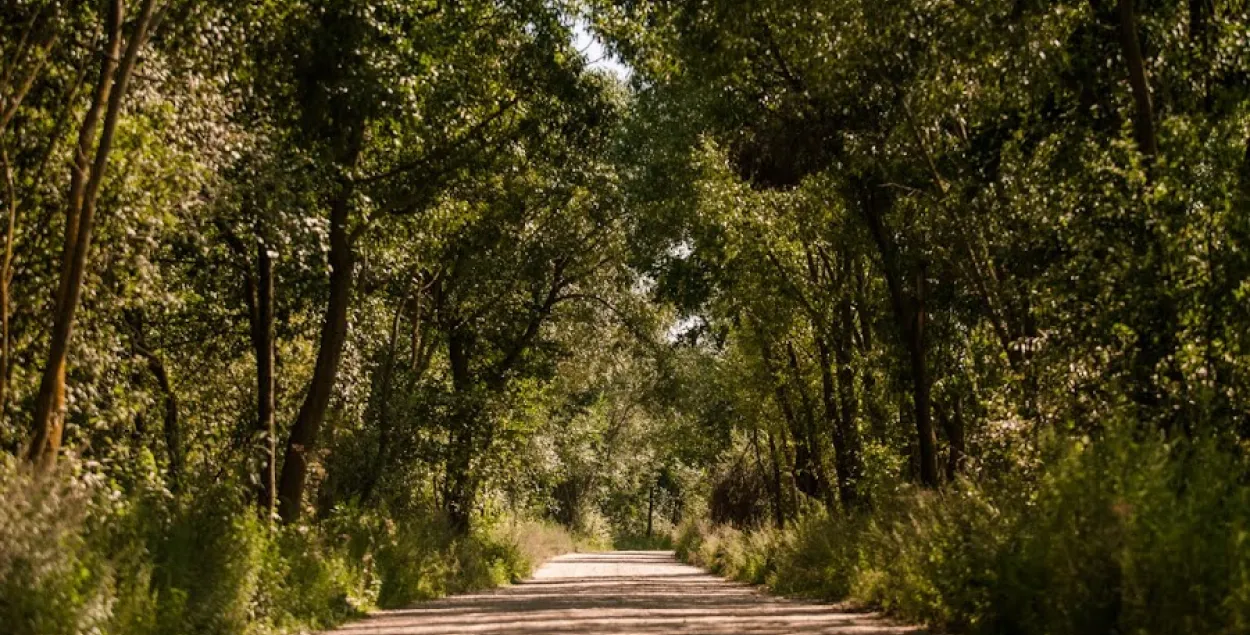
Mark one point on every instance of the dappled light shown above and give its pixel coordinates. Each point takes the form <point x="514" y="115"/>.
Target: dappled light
<point x="828" y="316"/>
<point x="625" y="592"/>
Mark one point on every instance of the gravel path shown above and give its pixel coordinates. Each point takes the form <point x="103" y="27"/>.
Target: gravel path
<point x="622" y="592"/>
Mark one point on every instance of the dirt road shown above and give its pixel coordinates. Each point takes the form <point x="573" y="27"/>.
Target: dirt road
<point x="622" y="592"/>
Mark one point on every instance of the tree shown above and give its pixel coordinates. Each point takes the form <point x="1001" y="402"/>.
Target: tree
<point x="92" y="159"/>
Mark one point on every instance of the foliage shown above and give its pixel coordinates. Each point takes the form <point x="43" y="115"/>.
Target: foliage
<point x="308" y="306"/>
<point x="151" y="564"/>
<point x="1120" y="536"/>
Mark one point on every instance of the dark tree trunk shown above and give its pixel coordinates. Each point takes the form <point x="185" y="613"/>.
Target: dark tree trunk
<point x="33" y="51"/>
<point x="1200" y="14"/>
<point x="169" y="401"/>
<point x="953" y="426"/>
<point x="304" y="433"/>
<point x="832" y="416"/>
<point x="459" y="499"/>
<point x="1143" y="119"/>
<point x="878" y="418"/>
<point x="6" y="269"/>
<point x="779" y="510"/>
<point x="264" y="347"/>
<point x="773" y="480"/>
<point x="850" y="460"/>
<point x="650" y="508"/>
<point x="918" y="352"/>
<point x="1157" y="325"/>
<point x="258" y="293"/>
<point x="908" y="302"/>
<point x="461" y="493"/>
<point x="804" y="478"/>
<point x="382" y="459"/>
<point x="171" y="429"/>
<point x="809" y="463"/>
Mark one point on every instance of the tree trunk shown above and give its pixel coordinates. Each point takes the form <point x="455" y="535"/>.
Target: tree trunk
<point x="804" y="478"/>
<point x="774" y="481"/>
<point x="80" y="219"/>
<point x="809" y="462"/>
<point x="422" y="347"/>
<point x="1143" y="119"/>
<point x="6" y="269"/>
<point x="918" y="352"/>
<point x="650" y="507"/>
<point x="909" y="316"/>
<point x="35" y="46"/>
<point x="850" y="460"/>
<point x="789" y="469"/>
<point x="953" y="426"/>
<point x="264" y="346"/>
<point x="461" y="489"/>
<point x="304" y="433"/>
<point x="460" y="493"/>
<point x="832" y="420"/>
<point x="1201" y="12"/>
<point x="383" y="410"/>
<point x="171" y="429"/>
<point x="780" y="509"/>
<point x="878" y="418"/>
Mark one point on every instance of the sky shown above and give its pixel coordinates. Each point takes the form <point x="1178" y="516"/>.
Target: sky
<point x="592" y="49"/>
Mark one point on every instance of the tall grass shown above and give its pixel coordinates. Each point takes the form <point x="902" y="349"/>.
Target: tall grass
<point x="77" y="556"/>
<point x="1125" y="536"/>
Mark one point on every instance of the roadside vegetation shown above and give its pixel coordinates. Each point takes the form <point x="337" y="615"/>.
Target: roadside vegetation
<point x="79" y="556"/>
<point x="968" y="286"/>
<point x="1103" y="542"/>
<point x="314" y="306"/>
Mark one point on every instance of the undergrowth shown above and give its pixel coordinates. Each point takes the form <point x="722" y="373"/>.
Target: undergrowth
<point x="78" y="556"/>
<point x="654" y="542"/>
<point x="1127" y="536"/>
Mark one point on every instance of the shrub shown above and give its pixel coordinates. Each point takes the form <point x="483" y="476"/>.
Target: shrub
<point x="817" y="557"/>
<point x="687" y="539"/>
<point x="208" y="558"/>
<point x="655" y="542"/>
<point x="535" y="542"/>
<point x="1126" y="535"/>
<point x="422" y="558"/>
<point x="50" y="580"/>
<point x="308" y="579"/>
<point x="79" y="557"/>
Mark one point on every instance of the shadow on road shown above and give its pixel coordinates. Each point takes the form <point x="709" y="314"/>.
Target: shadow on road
<point x="628" y="592"/>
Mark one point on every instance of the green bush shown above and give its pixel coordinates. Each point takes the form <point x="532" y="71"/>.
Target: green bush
<point x="536" y="542"/>
<point x="688" y="538"/>
<point x="208" y="559"/>
<point x="817" y="557"/>
<point x="414" y="561"/>
<point x="77" y="556"/>
<point x="308" y="579"/>
<point x="422" y="558"/>
<point x="51" y="581"/>
<point x="654" y="542"/>
<point x="743" y="556"/>
<point x="1126" y="536"/>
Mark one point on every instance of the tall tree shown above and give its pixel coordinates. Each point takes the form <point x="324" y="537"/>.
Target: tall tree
<point x="91" y="162"/>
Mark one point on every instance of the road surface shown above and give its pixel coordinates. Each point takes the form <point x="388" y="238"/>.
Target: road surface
<point x="620" y="593"/>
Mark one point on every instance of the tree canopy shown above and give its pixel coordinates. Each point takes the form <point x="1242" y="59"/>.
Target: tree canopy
<point x="355" y="283"/>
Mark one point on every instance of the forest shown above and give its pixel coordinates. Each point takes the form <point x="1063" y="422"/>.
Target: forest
<point x="312" y="307"/>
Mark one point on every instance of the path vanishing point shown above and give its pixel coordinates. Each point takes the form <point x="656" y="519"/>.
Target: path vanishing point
<point x="622" y="593"/>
